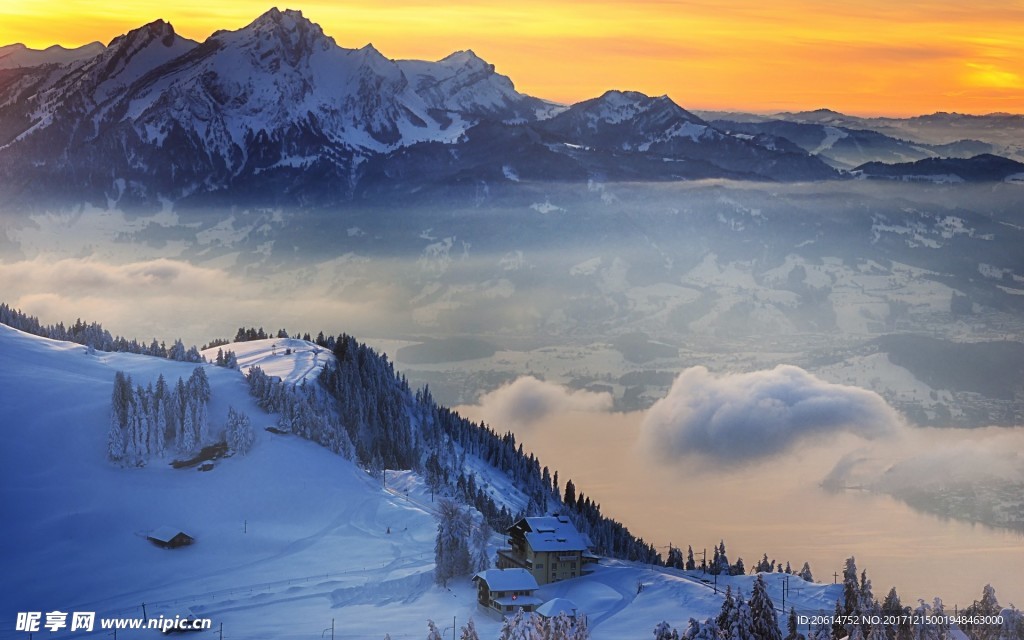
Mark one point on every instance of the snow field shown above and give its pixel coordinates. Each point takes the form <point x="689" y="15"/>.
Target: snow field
<point x="288" y="537"/>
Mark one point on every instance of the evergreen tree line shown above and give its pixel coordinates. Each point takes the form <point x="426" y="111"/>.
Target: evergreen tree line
<point x="531" y="626"/>
<point x="739" y="619"/>
<point x="371" y="415"/>
<point x="720" y="565"/>
<point x="756" y="619"/>
<point x="305" y="409"/>
<point x="146" y="422"/>
<point x="94" y="336"/>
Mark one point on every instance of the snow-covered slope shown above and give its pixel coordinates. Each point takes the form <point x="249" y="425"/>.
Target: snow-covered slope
<point x="289" y="359"/>
<point x="288" y="537"/>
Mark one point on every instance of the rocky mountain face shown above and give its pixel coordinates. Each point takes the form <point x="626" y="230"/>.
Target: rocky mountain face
<point x="278" y="112"/>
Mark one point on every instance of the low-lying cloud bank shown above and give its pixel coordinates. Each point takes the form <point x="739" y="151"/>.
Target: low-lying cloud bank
<point x="527" y="400"/>
<point x="748" y="416"/>
<point x="931" y="458"/>
<point x="169" y="298"/>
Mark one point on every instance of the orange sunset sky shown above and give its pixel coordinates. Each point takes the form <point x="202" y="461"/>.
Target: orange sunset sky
<point x="871" y="57"/>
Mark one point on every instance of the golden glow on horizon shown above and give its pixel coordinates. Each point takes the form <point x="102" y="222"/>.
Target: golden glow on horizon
<point x="875" y="57"/>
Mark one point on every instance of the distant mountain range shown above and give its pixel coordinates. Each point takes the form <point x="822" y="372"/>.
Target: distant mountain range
<point x="278" y="113"/>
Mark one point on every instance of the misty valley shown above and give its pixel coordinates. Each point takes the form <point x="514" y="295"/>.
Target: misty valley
<point x="911" y="291"/>
<point x="379" y="318"/>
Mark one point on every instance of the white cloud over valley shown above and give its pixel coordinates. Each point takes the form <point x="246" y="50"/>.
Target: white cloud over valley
<point x="528" y="399"/>
<point x="747" y="416"/>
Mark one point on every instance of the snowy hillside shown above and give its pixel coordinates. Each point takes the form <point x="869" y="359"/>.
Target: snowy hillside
<point x="289" y="359"/>
<point x="288" y="537"/>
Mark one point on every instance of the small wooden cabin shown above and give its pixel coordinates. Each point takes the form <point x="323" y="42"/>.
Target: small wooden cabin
<point x="170" y="538"/>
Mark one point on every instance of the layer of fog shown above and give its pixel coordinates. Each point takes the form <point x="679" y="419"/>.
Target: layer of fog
<point x="688" y="264"/>
<point x="768" y="498"/>
<point x="735" y="277"/>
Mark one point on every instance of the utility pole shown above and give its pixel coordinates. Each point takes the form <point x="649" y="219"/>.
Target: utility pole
<point x="835" y="577"/>
<point x="704" y="562"/>
<point x="144" y="619"/>
<point x="331" y="630"/>
<point x="221" y="637"/>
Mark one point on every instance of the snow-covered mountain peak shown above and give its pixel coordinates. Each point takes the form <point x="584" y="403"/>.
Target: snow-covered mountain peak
<point x="157" y="30"/>
<point x="617" y="106"/>
<point x="278" y="34"/>
<point x="465" y="59"/>
<point x="18" y="55"/>
<point x="129" y="57"/>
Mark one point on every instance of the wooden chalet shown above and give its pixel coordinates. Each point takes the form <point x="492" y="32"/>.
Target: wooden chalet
<point x="549" y="547"/>
<point x="505" y="591"/>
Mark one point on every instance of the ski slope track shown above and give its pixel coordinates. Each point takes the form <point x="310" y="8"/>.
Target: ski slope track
<point x="288" y="538"/>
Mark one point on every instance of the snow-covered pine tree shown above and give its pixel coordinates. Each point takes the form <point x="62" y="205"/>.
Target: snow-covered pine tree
<point x="866" y="600"/>
<point x="469" y="631"/>
<point x="691" y="565"/>
<point x="821" y="632"/>
<point x="738" y="569"/>
<point x="728" y="611"/>
<point x="851" y="588"/>
<point x="433" y="633"/>
<point x="723" y="559"/>
<point x="716" y="563"/>
<point x="762" y="611"/>
<point x="517" y="627"/>
<point x="878" y="632"/>
<point x="187" y="442"/>
<point x="177" y="351"/>
<point x="1013" y="624"/>
<point x="120" y="400"/>
<point x="838" y="630"/>
<point x="158" y="427"/>
<point x="133" y="440"/>
<point x="479" y="559"/>
<point x="238" y="432"/>
<point x="664" y="631"/>
<point x="706" y="630"/>
<point x="115" y="442"/>
<point x="805" y="572"/>
<point x="742" y="624"/>
<point x="451" y="554"/>
<point x="674" y="558"/>
<point x="792" y="628"/>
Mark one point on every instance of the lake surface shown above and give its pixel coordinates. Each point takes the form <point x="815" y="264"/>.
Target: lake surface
<point x="777" y="508"/>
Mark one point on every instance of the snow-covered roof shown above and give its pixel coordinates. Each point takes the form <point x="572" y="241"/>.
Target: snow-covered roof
<point x="552" y="608"/>
<point x="552" y="533"/>
<point x="508" y="580"/>
<point x="164" y="534"/>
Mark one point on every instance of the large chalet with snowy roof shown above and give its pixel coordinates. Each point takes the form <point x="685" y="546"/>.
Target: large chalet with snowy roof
<point x="549" y="547"/>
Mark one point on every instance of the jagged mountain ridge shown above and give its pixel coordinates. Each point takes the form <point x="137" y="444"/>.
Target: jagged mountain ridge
<point x="156" y="116"/>
<point x="277" y="110"/>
